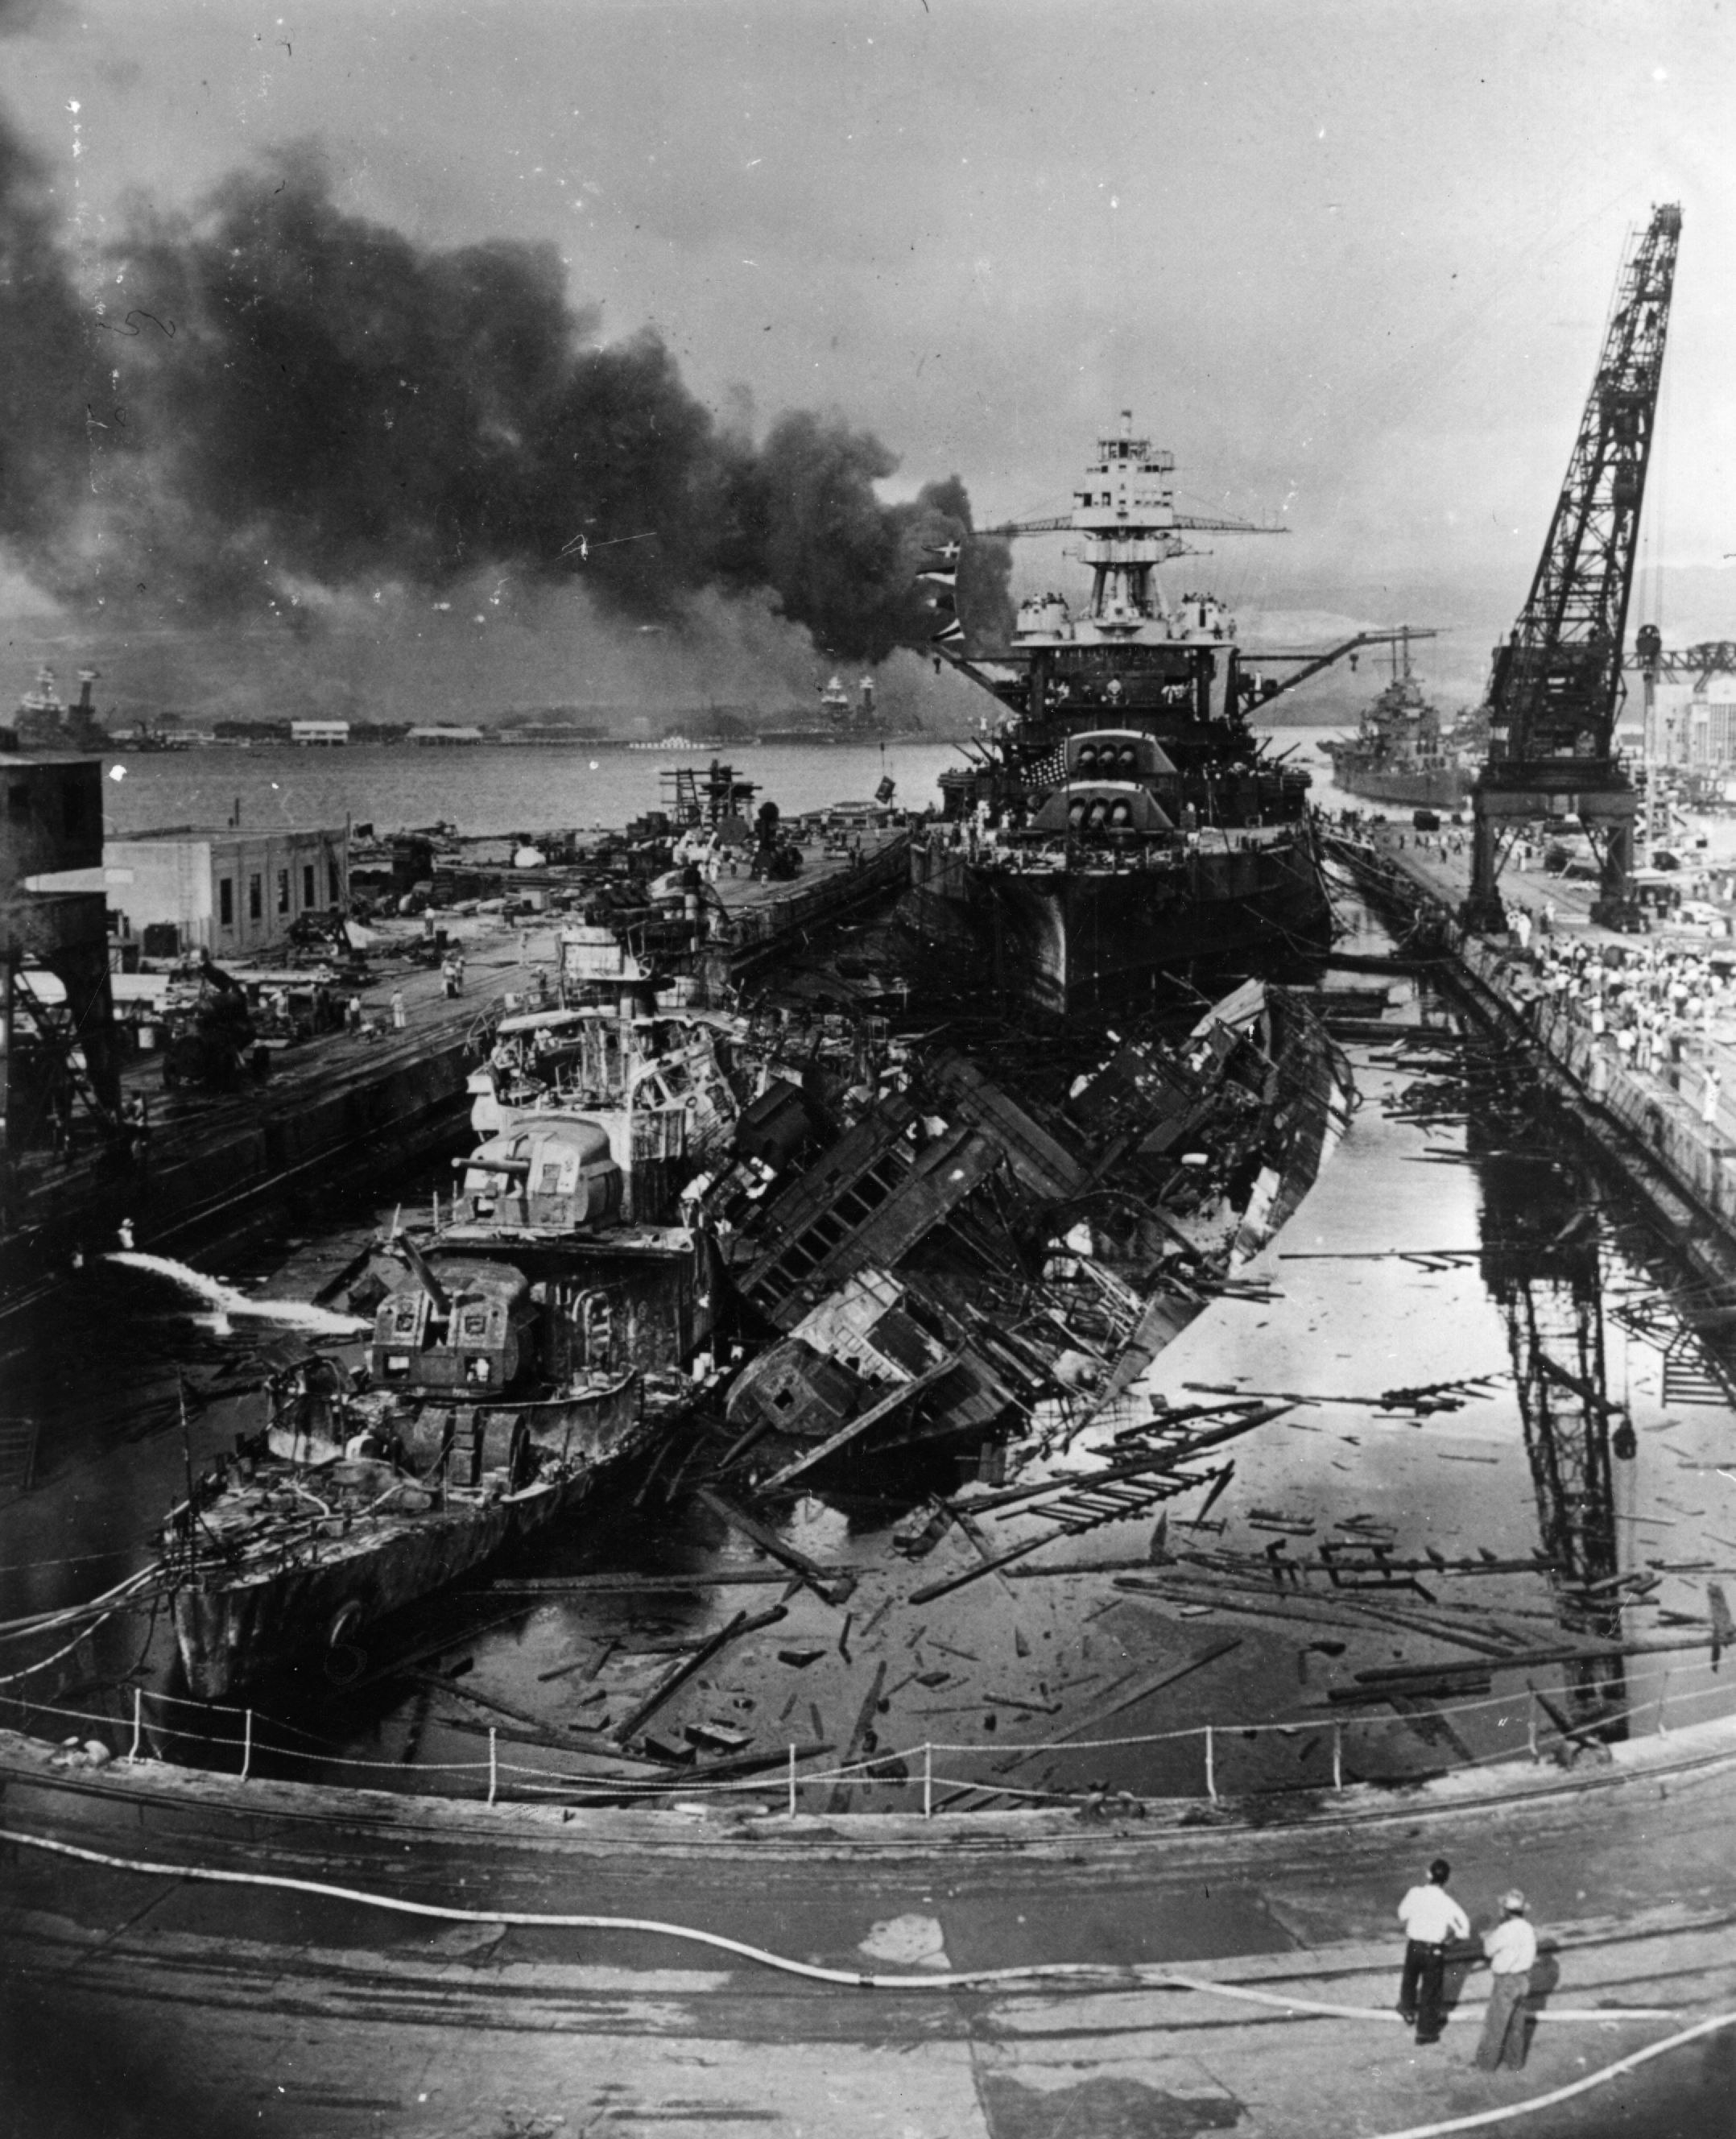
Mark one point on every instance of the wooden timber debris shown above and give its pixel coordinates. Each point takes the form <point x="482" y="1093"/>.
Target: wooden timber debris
<point x="860" y="1737"/>
<point x="633" y="1585"/>
<point x="1126" y="1694"/>
<point x="1724" y="1628"/>
<point x="853" y="1429"/>
<point x="930" y="1591"/>
<point x="833" y="1589"/>
<point x="672" y="1680"/>
<point x="438" y="1682"/>
<point x="591" y="1665"/>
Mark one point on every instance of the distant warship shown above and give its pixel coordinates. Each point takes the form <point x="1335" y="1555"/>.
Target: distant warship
<point x="1405" y="751"/>
<point x="44" y="721"/>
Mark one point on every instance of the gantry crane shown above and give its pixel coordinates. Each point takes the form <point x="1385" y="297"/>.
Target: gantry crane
<point x="1557" y="685"/>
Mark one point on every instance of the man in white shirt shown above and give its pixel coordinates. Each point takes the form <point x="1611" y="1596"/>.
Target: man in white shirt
<point x="1432" y="1919"/>
<point x="1511" y="1948"/>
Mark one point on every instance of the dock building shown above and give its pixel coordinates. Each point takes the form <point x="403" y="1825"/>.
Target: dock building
<point x="229" y="892"/>
<point x="52" y="920"/>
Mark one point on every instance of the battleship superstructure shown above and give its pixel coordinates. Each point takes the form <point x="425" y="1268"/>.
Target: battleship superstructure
<point x="1123" y="822"/>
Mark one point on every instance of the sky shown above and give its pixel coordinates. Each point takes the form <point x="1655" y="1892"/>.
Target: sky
<point x="1350" y="261"/>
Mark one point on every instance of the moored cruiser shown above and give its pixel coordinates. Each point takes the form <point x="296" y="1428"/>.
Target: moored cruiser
<point x="1406" y="750"/>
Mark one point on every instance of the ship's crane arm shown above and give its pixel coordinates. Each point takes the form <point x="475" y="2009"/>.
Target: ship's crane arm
<point x="1312" y="663"/>
<point x="1065" y="524"/>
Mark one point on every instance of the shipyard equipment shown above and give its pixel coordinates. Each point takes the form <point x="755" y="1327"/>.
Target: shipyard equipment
<point x="1542" y="1263"/>
<point x="1556" y="687"/>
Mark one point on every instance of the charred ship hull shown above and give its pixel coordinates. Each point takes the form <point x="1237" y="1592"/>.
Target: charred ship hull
<point x="1064" y="939"/>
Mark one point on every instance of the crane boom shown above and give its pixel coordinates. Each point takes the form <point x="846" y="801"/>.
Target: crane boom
<point x="1556" y="687"/>
<point x="1557" y="682"/>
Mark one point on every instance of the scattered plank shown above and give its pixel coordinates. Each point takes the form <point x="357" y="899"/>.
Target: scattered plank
<point x="927" y="1594"/>
<point x="859" y="1738"/>
<point x="628" y="1585"/>
<point x="672" y="1680"/>
<point x="1144" y="1684"/>
<point x="831" y="1589"/>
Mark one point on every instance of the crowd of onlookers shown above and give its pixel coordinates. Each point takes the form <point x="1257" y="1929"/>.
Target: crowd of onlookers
<point x="1658" y="1008"/>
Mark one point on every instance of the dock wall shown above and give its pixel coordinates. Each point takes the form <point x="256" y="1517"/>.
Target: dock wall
<point x="345" y="1118"/>
<point x="1679" y="1163"/>
<point x="777" y="924"/>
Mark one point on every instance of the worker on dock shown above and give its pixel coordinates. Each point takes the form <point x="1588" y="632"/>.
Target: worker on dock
<point x="1432" y="1920"/>
<point x="1511" y="1949"/>
<point x="398" y="1011"/>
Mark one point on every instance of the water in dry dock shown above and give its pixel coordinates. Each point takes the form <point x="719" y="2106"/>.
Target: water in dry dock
<point x="1462" y="1291"/>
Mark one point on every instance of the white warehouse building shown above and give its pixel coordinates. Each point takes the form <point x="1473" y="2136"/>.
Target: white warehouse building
<point x="226" y="892"/>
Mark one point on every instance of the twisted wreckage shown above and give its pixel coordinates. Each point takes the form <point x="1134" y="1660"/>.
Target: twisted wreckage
<point x="825" y="1247"/>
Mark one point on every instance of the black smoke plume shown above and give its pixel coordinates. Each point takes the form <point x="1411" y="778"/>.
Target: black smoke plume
<point x="279" y="397"/>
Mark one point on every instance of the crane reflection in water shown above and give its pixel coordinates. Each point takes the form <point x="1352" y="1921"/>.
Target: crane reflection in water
<point x="1541" y="1261"/>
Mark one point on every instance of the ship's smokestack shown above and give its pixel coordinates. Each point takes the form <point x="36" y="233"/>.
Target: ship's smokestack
<point x="1126" y="423"/>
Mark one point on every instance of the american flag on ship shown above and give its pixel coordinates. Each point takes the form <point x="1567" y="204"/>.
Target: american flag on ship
<point x="1048" y="771"/>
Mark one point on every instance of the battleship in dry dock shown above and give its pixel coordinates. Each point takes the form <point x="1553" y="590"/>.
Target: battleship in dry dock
<point x="1124" y="822"/>
<point x="1406" y="750"/>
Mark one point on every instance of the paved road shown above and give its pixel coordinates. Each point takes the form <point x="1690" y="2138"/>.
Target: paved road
<point x="140" y="2003"/>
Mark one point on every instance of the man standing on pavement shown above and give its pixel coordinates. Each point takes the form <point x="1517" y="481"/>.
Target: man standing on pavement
<point x="1432" y="1919"/>
<point x="1511" y="1947"/>
<point x="398" y="1010"/>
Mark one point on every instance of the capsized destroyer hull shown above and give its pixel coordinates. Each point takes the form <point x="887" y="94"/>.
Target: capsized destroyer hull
<point x="1072" y="937"/>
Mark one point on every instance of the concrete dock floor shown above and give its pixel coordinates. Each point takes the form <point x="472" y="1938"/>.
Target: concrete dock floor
<point x="200" y="2008"/>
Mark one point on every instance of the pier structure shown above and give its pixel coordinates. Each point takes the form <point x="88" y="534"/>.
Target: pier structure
<point x="309" y="1961"/>
<point x="336" y="1105"/>
<point x="1671" y="1127"/>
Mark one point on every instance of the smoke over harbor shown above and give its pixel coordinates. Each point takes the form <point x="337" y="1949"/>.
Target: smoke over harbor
<point x="271" y="420"/>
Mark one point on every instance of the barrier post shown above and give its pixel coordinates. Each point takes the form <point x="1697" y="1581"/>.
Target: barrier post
<point x="1531" y="1722"/>
<point x="1212" y="1780"/>
<point x="1337" y="1756"/>
<point x="494" y="1765"/>
<point x="1663" y="1704"/>
<point x="792" y="1781"/>
<point x="138" y="1723"/>
<point x="247" y="1744"/>
<point x="927" y="1782"/>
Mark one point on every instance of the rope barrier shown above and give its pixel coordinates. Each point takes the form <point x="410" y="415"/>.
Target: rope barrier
<point x="1139" y="1975"/>
<point x="870" y="1769"/>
